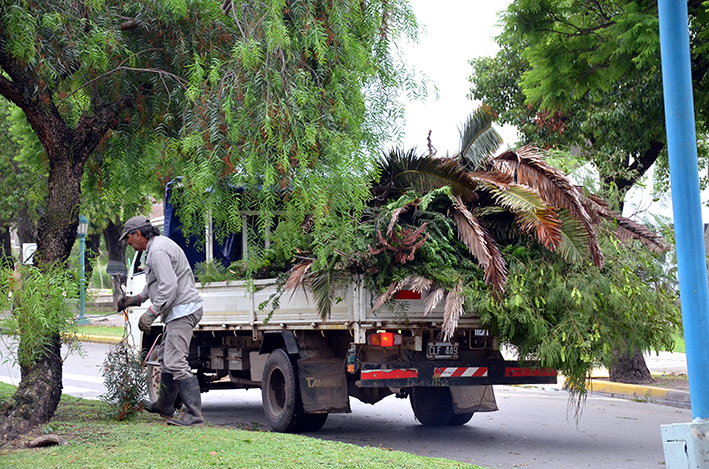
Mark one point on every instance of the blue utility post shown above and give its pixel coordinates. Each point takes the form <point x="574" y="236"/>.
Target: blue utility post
<point x="683" y="447"/>
<point x="82" y="231"/>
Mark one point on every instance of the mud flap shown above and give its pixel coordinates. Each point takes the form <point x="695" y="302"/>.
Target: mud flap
<point x="323" y="386"/>
<point x="473" y="399"/>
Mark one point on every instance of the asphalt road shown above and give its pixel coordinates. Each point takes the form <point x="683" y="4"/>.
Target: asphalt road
<point x="532" y="429"/>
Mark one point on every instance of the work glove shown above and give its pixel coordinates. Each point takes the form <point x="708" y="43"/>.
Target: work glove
<point x="126" y="301"/>
<point x="146" y="320"/>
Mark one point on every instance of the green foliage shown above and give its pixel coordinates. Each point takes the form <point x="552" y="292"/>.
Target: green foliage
<point x="40" y="309"/>
<point x="208" y="272"/>
<point x="293" y="115"/>
<point x="587" y="76"/>
<point x="125" y="380"/>
<point x="20" y="188"/>
<point x="524" y="257"/>
<point x="572" y="317"/>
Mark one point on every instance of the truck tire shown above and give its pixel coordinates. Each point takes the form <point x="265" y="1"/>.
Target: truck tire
<point x="433" y="406"/>
<point x="280" y="394"/>
<point x="461" y="419"/>
<point x="153" y="372"/>
<point x="313" y="422"/>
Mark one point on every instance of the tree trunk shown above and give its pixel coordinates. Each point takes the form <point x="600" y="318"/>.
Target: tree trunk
<point x="6" y="259"/>
<point x="630" y="369"/>
<point x="38" y="394"/>
<point x="40" y="389"/>
<point x="26" y="230"/>
<point x="57" y="226"/>
<point x="116" y="252"/>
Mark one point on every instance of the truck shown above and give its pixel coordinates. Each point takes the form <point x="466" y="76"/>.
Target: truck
<point x="308" y="367"/>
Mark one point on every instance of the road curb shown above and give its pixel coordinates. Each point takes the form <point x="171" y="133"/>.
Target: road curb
<point x="100" y="339"/>
<point x="655" y="395"/>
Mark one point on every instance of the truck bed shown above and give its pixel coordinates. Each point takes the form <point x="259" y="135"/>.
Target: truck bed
<point x="232" y="305"/>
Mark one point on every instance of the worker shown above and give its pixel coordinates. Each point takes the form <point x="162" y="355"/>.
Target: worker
<point x="170" y="287"/>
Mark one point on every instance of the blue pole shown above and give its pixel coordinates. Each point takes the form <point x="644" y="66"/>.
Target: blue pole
<point x="82" y="281"/>
<point x="686" y="204"/>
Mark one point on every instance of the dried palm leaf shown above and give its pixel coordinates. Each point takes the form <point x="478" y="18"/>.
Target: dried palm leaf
<point x="626" y="228"/>
<point x="297" y="276"/>
<point x="433" y="299"/>
<point x="553" y="186"/>
<point x="452" y="310"/>
<point x="480" y="244"/>
<point x="497" y="178"/>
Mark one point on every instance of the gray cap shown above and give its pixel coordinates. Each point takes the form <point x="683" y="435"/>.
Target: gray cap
<point x="134" y="223"/>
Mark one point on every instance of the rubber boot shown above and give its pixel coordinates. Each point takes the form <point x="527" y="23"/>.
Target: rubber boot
<point x="165" y="403"/>
<point x="191" y="402"/>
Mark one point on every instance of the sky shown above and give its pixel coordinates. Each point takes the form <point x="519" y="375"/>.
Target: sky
<point x="455" y="32"/>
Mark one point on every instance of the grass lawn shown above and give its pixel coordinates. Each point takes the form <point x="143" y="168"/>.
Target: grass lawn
<point x="104" y="331"/>
<point x="147" y="442"/>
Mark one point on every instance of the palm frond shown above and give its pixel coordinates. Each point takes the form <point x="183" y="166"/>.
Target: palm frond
<point x="433" y="299"/>
<point x="323" y="288"/>
<point x="402" y="171"/>
<point x="480" y="244"/>
<point x="417" y="283"/>
<point x="395" y="214"/>
<point x="298" y="273"/>
<point x="554" y="188"/>
<point x="478" y="139"/>
<point x="496" y="178"/>
<point x="574" y="248"/>
<point x="626" y="228"/>
<point x="533" y="214"/>
<point x="452" y="310"/>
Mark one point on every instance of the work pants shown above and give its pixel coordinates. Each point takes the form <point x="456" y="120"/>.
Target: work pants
<point x="175" y="345"/>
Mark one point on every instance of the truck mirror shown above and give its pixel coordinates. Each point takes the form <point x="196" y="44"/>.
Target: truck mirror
<point x="116" y="268"/>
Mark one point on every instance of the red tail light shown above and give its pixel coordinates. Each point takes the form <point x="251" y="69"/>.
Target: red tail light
<point x="386" y="339"/>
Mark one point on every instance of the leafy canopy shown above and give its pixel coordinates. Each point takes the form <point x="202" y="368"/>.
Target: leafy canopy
<point x="587" y="75"/>
<point x="294" y="114"/>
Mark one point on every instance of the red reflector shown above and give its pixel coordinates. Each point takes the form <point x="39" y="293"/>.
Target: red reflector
<point x="516" y="372"/>
<point x="407" y="295"/>
<point x="386" y="339"/>
<point x="402" y="373"/>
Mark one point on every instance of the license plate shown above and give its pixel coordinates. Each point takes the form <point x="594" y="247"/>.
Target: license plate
<point x="442" y="350"/>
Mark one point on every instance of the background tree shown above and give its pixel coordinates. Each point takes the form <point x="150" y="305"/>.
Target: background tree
<point x="77" y="70"/>
<point x="587" y="75"/>
<point x="296" y="116"/>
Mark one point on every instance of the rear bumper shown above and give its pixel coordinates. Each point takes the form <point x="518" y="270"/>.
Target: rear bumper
<point x="453" y="373"/>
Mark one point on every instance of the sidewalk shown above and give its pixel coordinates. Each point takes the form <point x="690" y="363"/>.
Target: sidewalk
<point x="657" y="363"/>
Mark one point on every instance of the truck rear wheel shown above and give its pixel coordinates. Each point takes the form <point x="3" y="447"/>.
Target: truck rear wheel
<point x="280" y="394"/>
<point x="152" y="368"/>
<point x="153" y="372"/>
<point x="460" y="419"/>
<point x="313" y="422"/>
<point x="432" y="406"/>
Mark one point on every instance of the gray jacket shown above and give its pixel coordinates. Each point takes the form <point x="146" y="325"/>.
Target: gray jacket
<point x="170" y="281"/>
